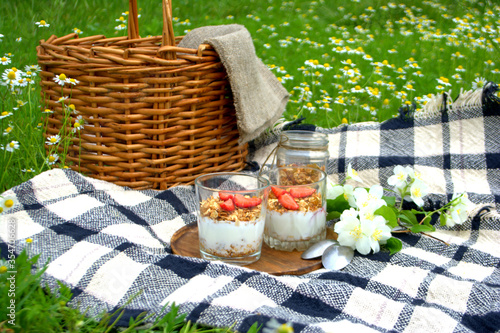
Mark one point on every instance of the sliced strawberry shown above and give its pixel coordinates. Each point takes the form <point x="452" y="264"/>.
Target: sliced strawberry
<point x="224" y="196"/>
<point x="277" y="191"/>
<point x="287" y="201"/>
<point x="245" y="202"/>
<point x="227" y="205"/>
<point x="302" y="192"/>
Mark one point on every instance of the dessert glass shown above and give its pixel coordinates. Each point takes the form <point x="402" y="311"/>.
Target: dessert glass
<point x="231" y="216"/>
<point x="296" y="208"/>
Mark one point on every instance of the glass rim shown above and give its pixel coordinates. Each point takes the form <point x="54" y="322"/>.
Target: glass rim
<point x="228" y="173"/>
<point x="324" y="175"/>
<point x="304" y="137"/>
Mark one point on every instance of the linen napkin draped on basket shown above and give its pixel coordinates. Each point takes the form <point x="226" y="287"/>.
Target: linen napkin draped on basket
<point x="108" y="243"/>
<point x="259" y="98"/>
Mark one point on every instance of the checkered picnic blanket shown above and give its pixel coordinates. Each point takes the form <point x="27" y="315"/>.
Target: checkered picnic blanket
<point x="108" y="242"/>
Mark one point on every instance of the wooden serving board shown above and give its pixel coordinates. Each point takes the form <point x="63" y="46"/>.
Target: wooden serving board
<point x="185" y="242"/>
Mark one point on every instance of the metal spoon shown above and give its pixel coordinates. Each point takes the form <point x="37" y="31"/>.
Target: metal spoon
<point x="337" y="257"/>
<point x="316" y="250"/>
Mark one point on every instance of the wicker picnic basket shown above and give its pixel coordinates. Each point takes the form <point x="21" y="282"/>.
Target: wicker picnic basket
<point x="156" y="115"/>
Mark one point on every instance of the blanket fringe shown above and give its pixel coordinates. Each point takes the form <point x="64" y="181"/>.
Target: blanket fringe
<point x="466" y="99"/>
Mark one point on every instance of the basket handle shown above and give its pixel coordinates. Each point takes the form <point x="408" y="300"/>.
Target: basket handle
<point x="168" y="37"/>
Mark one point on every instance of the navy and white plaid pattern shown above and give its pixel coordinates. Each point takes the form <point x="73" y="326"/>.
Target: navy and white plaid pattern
<point x="110" y="243"/>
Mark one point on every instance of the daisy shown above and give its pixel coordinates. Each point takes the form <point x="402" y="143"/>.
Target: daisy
<point x="4" y="60"/>
<point x="52" y="158"/>
<point x="62" y="99"/>
<point x="79" y="122"/>
<point x="72" y="81"/>
<point x="443" y="81"/>
<point x="478" y="83"/>
<point x="11" y="146"/>
<point x="7" y="203"/>
<point x="60" y="79"/>
<point x="357" y="89"/>
<point x="8" y="130"/>
<point x="11" y="76"/>
<point x="5" y="114"/>
<point x="53" y="139"/>
<point x="42" y="24"/>
<point x="32" y="68"/>
<point x="121" y="27"/>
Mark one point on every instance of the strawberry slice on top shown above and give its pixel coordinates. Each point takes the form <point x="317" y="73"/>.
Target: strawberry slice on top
<point x="246" y="202"/>
<point x="224" y="196"/>
<point x="227" y="205"/>
<point x="301" y="192"/>
<point x="277" y="191"/>
<point x="287" y="201"/>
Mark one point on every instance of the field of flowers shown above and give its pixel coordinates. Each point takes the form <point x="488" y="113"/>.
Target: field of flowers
<point x="342" y="61"/>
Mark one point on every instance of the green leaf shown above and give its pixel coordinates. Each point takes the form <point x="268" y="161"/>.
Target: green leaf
<point x="394" y="245"/>
<point x="422" y="228"/>
<point x="408" y="217"/>
<point x="332" y="215"/>
<point x="339" y="204"/>
<point x="389" y="213"/>
<point x="391" y="201"/>
<point x="442" y="219"/>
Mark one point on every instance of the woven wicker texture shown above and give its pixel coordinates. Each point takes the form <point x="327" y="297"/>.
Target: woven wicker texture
<point x="156" y="115"/>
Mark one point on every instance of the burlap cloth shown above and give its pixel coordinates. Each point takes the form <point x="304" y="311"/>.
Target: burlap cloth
<point x="259" y="98"/>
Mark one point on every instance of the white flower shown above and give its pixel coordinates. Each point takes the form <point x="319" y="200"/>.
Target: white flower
<point x="72" y="81"/>
<point x="350" y="234"/>
<point x="352" y="212"/>
<point x="11" y="146"/>
<point x="79" y="122"/>
<point x="60" y="79"/>
<point x="53" y="139"/>
<point x="5" y="114"/>
<point x="11" y="75"/>
<point x="4" y="60"/>
<point x="52" y="158"/>
<point x="370" y="200"/>
<point x="399" y="179"/>
<point x="353" y="174"/>
<point x="418" y="190"/>
<point x="42" y="24"/>
<point x="459" y="211"/>
<point x="333" y="191"/>
<point x="376" y="230"/>
<point x="273" y="326"/>
<point x="479" y="83"/>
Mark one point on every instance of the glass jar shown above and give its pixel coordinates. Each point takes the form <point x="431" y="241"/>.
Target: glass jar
<point x="303" y="148"/>
<point x="296" y="208"/>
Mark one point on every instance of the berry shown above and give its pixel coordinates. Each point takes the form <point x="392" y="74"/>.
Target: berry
<point x="302" y="192"/>
<point x="224" y="196"/>
<point x="227" y="205"/>
<point x="287" y="201"/>
<point x="245" y="202"/>
<point x="277" y="191"/>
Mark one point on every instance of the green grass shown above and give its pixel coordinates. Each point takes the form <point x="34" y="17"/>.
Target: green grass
<point x="359" y="62"/>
